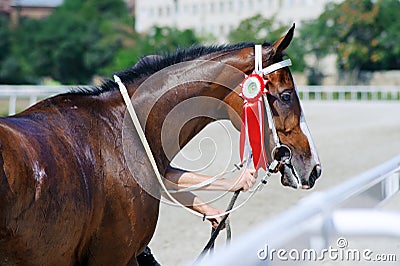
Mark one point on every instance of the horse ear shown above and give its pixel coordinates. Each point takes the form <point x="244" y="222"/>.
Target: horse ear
<point x="284" y="41"/>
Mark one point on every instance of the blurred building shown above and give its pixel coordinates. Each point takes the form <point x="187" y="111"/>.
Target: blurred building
<point x="220" y="17"/>
<point x="35" y="9"/>
<point x="5" y="7"/>
<point x="38" y="9"/>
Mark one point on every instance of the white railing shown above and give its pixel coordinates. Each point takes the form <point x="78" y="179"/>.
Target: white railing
<point x="307" y="93"/>
<point x="349" y="93"/>
<point x="345" y="210"/>
<point x="31" y="92"/>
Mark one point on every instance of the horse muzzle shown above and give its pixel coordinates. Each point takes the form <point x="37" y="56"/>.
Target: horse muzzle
<point x="291" y="178"/>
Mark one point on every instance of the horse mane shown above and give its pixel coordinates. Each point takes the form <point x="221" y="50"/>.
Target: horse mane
<point x="151" y="64"/>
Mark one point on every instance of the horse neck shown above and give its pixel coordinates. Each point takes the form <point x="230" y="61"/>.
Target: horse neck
<point x="177" y="103"/>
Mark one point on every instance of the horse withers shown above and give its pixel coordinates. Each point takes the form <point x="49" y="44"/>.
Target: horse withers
<point x="75" y="183"/>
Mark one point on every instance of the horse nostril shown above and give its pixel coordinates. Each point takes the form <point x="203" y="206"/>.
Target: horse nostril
<point x="315" y="173"/>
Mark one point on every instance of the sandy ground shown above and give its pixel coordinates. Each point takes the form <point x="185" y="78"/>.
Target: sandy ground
<point x="350" y="137"/>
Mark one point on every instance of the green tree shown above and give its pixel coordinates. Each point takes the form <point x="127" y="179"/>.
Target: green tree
<point x="167" y="39"/>
<point x="11" y="70"/>
<point x="256" y="29"/>
<point x="362" y="33"/>
<point x="388" y="37"/>
<point x="157" y="40"/>
<point x="81" y="39"/>
<point x="4" y="38"/>
<point x="4" y="48"/>
<point x="259" y="29"/>
<point x="75" y="42"/>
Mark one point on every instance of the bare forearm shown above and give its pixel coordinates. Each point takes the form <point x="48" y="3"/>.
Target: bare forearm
<point x="193" y="202"/>
<point x="181" y="179"/>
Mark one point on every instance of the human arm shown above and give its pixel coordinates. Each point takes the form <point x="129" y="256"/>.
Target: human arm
<point x="193" y="202"/>
<point x="178" y="179"/>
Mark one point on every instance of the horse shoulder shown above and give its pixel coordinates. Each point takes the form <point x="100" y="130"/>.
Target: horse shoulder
<point x="5" y="190"/>
<point x="15" y="190"/>
<point x="14" y="162"/>
<point x="45" y="199"/>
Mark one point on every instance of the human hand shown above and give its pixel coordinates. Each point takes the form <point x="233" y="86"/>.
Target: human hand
<point x="215" y="221"/>
<point x="244" y="181"/>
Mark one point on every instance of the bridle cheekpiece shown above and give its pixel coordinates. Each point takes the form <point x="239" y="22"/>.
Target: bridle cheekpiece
<point x="254" y="94"/>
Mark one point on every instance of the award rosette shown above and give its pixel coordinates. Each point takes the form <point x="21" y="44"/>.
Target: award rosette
<point x="252" y="130"/>
<point x="252" y="88"/>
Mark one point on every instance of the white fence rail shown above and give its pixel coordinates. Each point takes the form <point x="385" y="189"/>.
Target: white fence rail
<point x="330" y="93"/>
<point x="31" y="92"/>
<point x="345" y="210"/>
<point x="352" y="93"/>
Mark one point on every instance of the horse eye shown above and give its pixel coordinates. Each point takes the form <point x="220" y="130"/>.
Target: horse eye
<point x="286" y="97"/>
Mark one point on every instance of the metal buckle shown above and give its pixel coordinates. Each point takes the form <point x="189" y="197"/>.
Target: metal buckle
<point x="282" y="154"/>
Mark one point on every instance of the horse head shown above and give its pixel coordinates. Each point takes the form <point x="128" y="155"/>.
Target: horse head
<point x="304" y="166"/>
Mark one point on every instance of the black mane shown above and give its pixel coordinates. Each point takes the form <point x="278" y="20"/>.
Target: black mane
<point x="151" y="64"/>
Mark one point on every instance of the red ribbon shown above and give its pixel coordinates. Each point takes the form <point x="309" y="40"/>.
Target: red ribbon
<point x="252" y="127"/>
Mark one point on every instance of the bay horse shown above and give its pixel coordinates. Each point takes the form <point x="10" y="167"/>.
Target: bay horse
<point x="68" y="195"/>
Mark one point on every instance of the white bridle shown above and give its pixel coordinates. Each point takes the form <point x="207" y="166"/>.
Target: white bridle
<point x="265" y="71"/>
